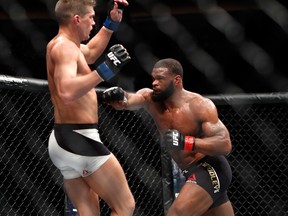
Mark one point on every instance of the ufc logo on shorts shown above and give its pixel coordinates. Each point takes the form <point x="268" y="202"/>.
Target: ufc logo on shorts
<point x="175" y="138"/>
<point x="113" y="58"/>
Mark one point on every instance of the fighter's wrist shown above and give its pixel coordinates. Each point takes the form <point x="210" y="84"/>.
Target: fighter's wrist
<point x="125" y="100"/>
<point x="110" y="24"/>
<point x="98" y="75"/>
<point x="189" y="143"/>
<point x="108" y="30"/>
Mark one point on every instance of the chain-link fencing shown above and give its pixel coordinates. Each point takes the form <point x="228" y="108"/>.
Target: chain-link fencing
<point x="31" y="185"/>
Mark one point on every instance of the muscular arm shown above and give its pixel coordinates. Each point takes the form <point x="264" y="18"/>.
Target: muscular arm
<point x="137" y="100"/>
<point x="132" y="101"/>
<point x="67" y="60"/>
<point x="215" y="138"/>
<point x="96" y="46"/>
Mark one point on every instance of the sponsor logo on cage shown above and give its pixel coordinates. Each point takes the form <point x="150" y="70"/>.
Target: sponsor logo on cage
<point x="213" y="176"/>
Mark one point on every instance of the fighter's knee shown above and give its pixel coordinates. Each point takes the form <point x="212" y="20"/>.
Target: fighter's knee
<point x="131" y="204"/>
<point x="126" y="208"/>
<point x="180" y="209"/>
<point x="175" y="211"/>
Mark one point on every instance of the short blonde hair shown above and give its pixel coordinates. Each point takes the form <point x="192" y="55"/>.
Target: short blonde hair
<point x="66" y="9"/>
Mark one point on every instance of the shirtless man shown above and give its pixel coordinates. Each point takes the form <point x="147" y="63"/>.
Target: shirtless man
<point x="89" y="169"/>
<point x="192" y="134"/>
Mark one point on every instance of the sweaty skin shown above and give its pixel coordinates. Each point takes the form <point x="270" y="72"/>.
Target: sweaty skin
<point x="73" y="103"/>
<point x="173" y="107"/>
<point x="189" y="113"/>
<point x="72" y="89"/>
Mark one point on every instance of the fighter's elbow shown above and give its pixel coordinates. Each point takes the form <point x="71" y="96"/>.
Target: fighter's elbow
<point x="66" y="98"/>
<point x="228" y="146"/>
<point x="224" y="147"/>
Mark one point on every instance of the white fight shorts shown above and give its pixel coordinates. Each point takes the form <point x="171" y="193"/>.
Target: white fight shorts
<point x="76" y="149"/>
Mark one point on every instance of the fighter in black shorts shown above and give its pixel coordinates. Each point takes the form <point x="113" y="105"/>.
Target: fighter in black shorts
<point x="193" y="135"/>
<point x="214" y="175"/>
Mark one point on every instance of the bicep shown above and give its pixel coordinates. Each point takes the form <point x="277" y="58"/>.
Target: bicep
<point x="65" y="67"/>
<point x="86" y="53"/>
<point x="212" y="128"/>
<point x="91" y="54"/>
<point x="211" y="125"/>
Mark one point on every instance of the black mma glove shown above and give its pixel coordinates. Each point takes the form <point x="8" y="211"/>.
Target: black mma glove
<point x="177" y="141"/>
<point x="114" y="94"/>
<point x="116" y="58"/>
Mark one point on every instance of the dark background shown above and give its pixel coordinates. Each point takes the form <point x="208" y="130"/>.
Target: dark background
<point x="225" y="47"/>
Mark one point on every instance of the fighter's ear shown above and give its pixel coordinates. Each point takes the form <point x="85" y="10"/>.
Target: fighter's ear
<point x="177" y="79"/>
<point x="76" y="19"/>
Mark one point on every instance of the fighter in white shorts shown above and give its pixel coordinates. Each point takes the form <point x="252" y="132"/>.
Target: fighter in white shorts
<point x="70" y="142"/>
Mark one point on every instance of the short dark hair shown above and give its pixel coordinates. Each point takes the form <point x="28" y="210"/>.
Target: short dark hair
<point x="173" y="66"/>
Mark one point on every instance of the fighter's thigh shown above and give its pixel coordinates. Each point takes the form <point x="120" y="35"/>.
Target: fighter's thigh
<point x="225" y="209"/>
<point x="192" y="200"/>
<point x="109" y="182"/>
<point x="81" y="195"/>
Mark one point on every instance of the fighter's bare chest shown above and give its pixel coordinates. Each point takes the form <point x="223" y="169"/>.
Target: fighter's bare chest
<point x="82" y="66"/>
<point x="179" y="119"/>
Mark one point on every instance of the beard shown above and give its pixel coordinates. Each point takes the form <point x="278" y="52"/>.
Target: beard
<point x="165" y="94"/>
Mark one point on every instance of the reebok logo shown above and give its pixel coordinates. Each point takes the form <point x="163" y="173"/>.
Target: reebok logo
<point x="85" y="172"/>
<point x="175" y="138"/>
<point x="192" y="179"/>
<point x="113" y="58"/>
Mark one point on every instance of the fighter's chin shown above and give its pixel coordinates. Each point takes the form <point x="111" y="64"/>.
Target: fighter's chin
<point x="85" y="38"/>
<point x="156" y="92"/>
<point x="88" y="36"/>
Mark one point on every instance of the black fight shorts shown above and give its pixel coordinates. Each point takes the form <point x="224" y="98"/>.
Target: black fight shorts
<point x="214" y="175"/>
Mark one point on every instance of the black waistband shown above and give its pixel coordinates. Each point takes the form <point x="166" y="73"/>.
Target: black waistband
<point x="75" y="126"/>
<point x="70" y="138"/>
<point x="190" y="169"/>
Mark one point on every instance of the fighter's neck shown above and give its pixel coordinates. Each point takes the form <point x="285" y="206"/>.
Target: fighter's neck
<point x="174" y="102"/>
<point x="66" y="33"/>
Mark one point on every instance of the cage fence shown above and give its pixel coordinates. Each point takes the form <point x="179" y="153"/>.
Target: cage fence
<point x="31" y="185"/>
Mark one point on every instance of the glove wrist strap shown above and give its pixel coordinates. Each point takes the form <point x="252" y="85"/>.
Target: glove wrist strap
<point x="110" y="24"/>
<point x="105" y="72"/>
<point x="189" y="143"/>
